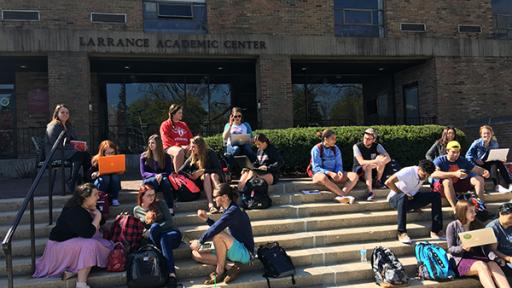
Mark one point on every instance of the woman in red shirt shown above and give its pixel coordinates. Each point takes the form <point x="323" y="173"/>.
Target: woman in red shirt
<point x="176" y="136"/>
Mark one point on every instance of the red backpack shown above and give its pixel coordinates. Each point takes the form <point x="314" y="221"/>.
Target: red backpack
<point x="309" y="169"/>
<point x="117" y="258"/>
<point x="128" y="230"/>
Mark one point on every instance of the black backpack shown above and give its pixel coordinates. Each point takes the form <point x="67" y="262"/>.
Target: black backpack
<point x="389" y="272"/>
<point x="255" y="195"/>
<point x="147" y="268"/>
<point x="276" y="263"/>
<point x="391" y="168"/>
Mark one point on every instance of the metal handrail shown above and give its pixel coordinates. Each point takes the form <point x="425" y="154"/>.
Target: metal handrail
<point x="29" y="199"/>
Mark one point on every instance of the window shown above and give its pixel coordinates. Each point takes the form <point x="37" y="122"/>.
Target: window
<point x="470" y="28"/>
<point x="358" y="18"/>
<point x="413" y="27"/>
<point x="411" y="109"/>
<point x="8" y="117"/>
<point x="502" y="16"/>
<point x="175" y="16"/>
<point x="108" y="18"/>
<point x="20" y="15"/>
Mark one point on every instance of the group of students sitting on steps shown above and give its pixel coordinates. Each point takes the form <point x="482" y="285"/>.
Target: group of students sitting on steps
<point x="76" y="245"/>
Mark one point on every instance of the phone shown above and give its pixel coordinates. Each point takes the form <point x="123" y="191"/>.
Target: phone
<point x="207" y="246"/>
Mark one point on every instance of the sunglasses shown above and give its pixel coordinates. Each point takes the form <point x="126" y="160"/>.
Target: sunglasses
<point x="237" y="116"/>
<point x="505" y="209"/>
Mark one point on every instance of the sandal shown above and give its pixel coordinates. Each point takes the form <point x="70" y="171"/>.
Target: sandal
<point x="232" y="274"/>
<point x="67" y="275"/>
<point x="214" y="278"/>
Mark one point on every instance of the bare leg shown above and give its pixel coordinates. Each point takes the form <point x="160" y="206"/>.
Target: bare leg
<point x="207" y="186"/>
<point x="246" y="175"/>
<point x="380" y="170"/>
<point x="352" y="181"/>
<point x="215" y="180"/>
<point x="204" y="257"/>
<point x="368" y="177"/>
<point x="268" y="178"/>
<point x="83" y="274"/>
<point x="178" y="156"/>
<point x="222" y="243"/>
<point x="498" y="275"/>
<point x="484" y="274"/>
<point x="478" y="182"/>
<point x="320" y="178"/>
<point x="449" y="192"/>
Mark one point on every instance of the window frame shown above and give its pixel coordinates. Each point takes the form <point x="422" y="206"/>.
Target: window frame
<point x="2" y="18"/>
<point x="108" y="13"/>
<point x="413" y="31"/>
<point x="189" y="4"/>
<point x="469" y="25"/>
<point x="358" y="10"/>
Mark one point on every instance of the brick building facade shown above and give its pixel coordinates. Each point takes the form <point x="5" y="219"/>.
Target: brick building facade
<point x="288" y="62"/>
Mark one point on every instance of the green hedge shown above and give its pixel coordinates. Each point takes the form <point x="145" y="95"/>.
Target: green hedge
<point x="406" y="144"/>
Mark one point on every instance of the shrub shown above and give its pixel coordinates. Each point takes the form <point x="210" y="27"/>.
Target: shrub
<point x="406" y="144"/>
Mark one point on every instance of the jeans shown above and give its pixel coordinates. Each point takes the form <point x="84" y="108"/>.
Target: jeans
<point x="110" y="183"/>
<point x="245" y="149"/>
<point x="499" y="173"/>
<point x="166" y="241"/>
<point x="402" y="204"/>
<point x="164" y="187"/>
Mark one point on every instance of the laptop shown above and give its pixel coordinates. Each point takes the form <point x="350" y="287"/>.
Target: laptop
<point x="240" y="139"/>
<point x="478" y="237"/>
<point x="498" y="155"/>
<point x="244" y="162"/>
<point x="112" y="164"/>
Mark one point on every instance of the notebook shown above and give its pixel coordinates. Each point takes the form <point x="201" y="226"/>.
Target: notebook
<point x="244" y="162"/>
<point x="497" y="155"/>
<point x="112" y="164"/>
<point x="240" y="139"/>
<point x="78" y="145"/>
<point x="478" y="237"/>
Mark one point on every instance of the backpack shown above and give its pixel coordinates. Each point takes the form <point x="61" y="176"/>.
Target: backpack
<point x="147" y="268"/>
<point x="116" y="260"/>
<point x="128" y="230"/>
<point x="309" y="169"/>
<point x="391" y="168"/>
<point x="276" y="262"/>
<point x="255" y="195"/>
<point x="482" y="214"/>
<point x="184" y="187"/>
<point x="226" y="172"/>
<point x="103" y="204"/>
<point x="389" y="272"/>
<point x="433" y="263"/>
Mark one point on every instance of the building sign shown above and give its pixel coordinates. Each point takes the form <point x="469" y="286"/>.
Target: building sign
<point x="171" y="43"/>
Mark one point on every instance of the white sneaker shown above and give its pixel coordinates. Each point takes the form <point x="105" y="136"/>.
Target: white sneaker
<point x="115" y="202"/>
<point x="342" y="199"/>
<point x="510" y="187"/>
<point x="82" y="285"/>
<point x="351" y="199"/>
<point x="404" y="238"/>
<point x="502" y="189"/>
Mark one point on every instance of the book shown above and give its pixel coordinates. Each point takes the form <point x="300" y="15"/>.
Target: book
<point x="78" y="145"/>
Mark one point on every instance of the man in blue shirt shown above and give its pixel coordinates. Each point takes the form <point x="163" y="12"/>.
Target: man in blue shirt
<point x="501" y="252"/>
<point x="455" y="174"/>
<point x="236" y="246"/>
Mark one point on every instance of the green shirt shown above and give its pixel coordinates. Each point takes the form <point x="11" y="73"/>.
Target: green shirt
<point x="164" y="217"/>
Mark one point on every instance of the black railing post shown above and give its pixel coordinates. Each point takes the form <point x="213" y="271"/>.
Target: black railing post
<point x="51" y="178"/>
<point x="32" y="235"/>
<point x="8" y="265"/>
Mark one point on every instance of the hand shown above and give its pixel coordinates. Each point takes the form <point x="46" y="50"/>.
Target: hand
<point x="231" y="119"/>
<point x="85" y="147"/>
<point x="95" y="175"/>
<point x="340" y="174"/>
<point x="465" y="248"/>
<point x="486" y="173"/>
<point x="263" y="167"/>
<point x="95" y="213"/>
<point x="150" y="217"/>
<point x="195" y="245"/>
<point x="202" y="214"/>
<point x="508" y="259"/>
<point x="158" y="178"/>
<point x="461" y="174"/>
<point x="331" y="174"/>
<point x="479" y="162"/>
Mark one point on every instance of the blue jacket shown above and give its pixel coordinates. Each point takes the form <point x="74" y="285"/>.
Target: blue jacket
<point x="477" y="150"/>
<point x="329" y="161"/>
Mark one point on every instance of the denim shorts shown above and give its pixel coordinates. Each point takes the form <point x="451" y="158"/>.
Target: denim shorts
<point x="237" y="253"/>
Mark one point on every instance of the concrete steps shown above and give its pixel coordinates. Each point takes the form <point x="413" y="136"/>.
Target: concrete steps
<point x="322" y="237"/>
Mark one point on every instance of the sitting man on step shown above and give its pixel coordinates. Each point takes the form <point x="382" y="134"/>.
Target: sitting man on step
<point x="405" y="195"/>
<point x="236" y="246"/>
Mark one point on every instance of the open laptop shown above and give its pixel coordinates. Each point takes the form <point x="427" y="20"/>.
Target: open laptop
<point x="478" y="237"/>
<point x="240" y="139"/>
<point x="498" y="155"/>
<point x="112" y="164"/>
<point x="244" y="162"/>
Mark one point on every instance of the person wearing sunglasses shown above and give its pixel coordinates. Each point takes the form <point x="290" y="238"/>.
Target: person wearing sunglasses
<point x="236" y="126"/>
<point x="501" y="252"/>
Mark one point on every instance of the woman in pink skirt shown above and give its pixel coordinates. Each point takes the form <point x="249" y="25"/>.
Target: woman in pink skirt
<point x="472" y="261"/>
<point x="75" y="244"/>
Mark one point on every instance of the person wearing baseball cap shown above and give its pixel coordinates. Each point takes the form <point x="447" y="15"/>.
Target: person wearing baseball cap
<point x="368" y="156"/>
<point x="455" y="174"/>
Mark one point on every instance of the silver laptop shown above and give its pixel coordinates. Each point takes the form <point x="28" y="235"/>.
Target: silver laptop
<point x="498" y="155"/>
<point x="240" y="139"/>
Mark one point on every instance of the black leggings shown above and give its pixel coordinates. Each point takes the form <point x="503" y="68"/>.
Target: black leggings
<point x="80" y="159"/>
<point x="499" y="173"/>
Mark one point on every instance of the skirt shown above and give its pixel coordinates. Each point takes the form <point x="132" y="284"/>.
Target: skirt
<point x="73" y="255"/>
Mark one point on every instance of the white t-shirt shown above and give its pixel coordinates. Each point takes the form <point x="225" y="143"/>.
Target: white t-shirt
<point x="408" y="181"/>
<point x="237" y="129"/>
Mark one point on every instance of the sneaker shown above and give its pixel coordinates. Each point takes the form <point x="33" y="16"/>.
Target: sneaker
<point x="115" y="202"/>
<point x="342" y="199"/>
<point x="371" y="196"/>
<point x="351" y="200"/>
<point x="510" y="187"/>
<point x="82" y="285"/>
<point x="232" y="274"/>
<point x="502" y="189"/>
<point x="379" y="184"/>
<point x="404" y="238"/>
<point x="172" y="283"/>
<point x="437" y="236"/>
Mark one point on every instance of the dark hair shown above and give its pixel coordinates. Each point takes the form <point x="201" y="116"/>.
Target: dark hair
<point x="173" y="109"/>
<point x="505" y="209"/>
<point x="159" y="152"/>
<point x="427" y="166"/>
<point x="81" y="192"/>
<point x="444" y="135"/>
<point x="226" y="189"/>
<point x="55" y="115"/>
<point x="324" y="134"/>
<point x="260" y="137"/>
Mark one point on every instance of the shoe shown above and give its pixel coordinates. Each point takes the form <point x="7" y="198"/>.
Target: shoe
<point x="214" y="278"/>
<point x="82" y="285"/>
<point x="173" y="283"/>
<point x="115" y="202"/>
<point x="68" y="275"/>
<point x="371" y="196"/>
<point x="404" y="238"/>
<point x="379" y="184"/>
<point x="437" y="236"/>
<point x="352" y="199"/>
<point x="502" y="189"/>
<point x="232" y="274"/>
<point x="342" y="199"/>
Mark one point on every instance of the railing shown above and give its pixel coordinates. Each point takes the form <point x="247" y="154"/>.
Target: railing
<point x="29" y="200"/>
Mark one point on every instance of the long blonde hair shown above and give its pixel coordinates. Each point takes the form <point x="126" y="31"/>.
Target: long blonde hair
<point x="159" y="152"/>
<point x="200" y="159"/>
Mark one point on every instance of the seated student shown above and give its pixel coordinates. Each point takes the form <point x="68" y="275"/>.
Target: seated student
<point x="203" y="167"/>
<point x="368" y="156"/>
<point x="405" y="195"/>
<point x="159" y="226"/>
<point x="61" y="121"/>
<point x="478" y="153"/>
<point x="236" y="246"/>
<point x="236" y="126"/>
<point x="155" y="168"/>
<point x="176" y="136"/>
<point x="109" y="183"/>
<point x="439" y="147"/>
<point x="455" y="174"/>
<point x="471" y="261"/>
<point x="327" y="167"/>
<point x="76" y="244"/>
<point x="267" y="158"/>
<point x="501" y="252"/>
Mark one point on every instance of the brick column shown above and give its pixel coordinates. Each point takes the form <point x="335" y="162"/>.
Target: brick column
<point x="69" y="82"/>
<point x="274" y="86"/>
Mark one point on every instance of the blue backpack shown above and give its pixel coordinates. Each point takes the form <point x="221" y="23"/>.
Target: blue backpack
<point x="433" y="262"/>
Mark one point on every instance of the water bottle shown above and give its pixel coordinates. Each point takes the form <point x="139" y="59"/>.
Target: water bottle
<point x="363" y="255"/>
